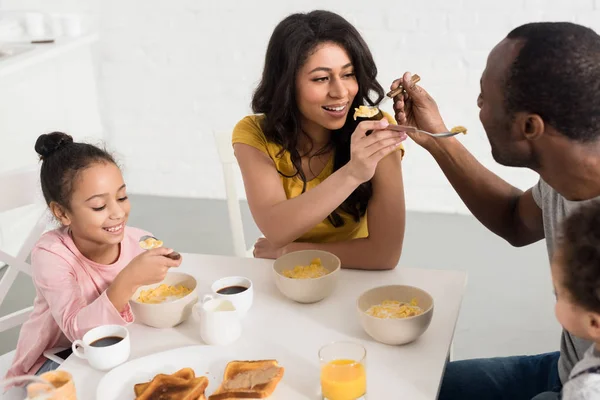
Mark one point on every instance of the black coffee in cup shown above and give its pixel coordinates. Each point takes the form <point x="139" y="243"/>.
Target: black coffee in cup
<point x="232" y="290"/>
<point x="106" y="341"/>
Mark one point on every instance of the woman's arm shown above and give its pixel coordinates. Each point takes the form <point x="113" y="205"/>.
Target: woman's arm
<point x="284" y="220"/>
<point x="386" y="221"/>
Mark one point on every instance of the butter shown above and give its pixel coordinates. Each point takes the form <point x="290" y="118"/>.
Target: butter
<point x="250" y="379"/>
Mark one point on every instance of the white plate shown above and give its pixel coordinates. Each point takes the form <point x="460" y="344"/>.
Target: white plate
<point x="209" y="361"/>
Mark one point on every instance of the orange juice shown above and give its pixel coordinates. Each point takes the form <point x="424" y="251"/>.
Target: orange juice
<point x="343" y="380"/>
<point x="62" y="381"/>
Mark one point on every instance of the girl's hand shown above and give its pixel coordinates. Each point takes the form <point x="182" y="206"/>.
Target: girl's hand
<point x="150" y="267"/>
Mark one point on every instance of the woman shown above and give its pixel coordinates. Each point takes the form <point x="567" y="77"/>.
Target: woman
<point x="311" y="173"/>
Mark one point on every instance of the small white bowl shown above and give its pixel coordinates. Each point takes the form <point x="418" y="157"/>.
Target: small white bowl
<point x="395" y="331"/>
<point x="169" y="313"/>
<point x="310" y="290"/>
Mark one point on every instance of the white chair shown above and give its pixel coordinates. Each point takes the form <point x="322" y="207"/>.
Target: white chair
<point x="229" y="165"/>
<point x="18" y="189"/>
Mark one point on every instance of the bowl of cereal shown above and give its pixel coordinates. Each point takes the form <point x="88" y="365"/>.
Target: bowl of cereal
<point x="306" y="276"/>
<point x="395" y="314"/>
<point x="167" y="303"/>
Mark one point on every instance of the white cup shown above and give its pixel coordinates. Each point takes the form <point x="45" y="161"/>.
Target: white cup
<point x="56" y="25"/>
<point x="34" y="23"/>
<point x="71" y="25"/>
<point x="219" y="322"/>
<point x="104" y="358"/>
<point x="242" y="301"/>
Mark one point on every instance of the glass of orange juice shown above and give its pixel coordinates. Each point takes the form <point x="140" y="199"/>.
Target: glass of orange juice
<point x="27" y="387"/>
<point x="343" y="371"/>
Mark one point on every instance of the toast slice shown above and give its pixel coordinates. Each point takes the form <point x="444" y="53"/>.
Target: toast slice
<point x="168" y="387"/>
<point x="249" y="380"/>
<point x="184" y="373"/>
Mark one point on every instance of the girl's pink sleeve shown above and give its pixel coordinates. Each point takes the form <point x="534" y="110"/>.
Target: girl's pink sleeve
<point x="55" y="279"/>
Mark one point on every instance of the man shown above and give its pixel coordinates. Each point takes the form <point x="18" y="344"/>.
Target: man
<point x="540" y="108"/>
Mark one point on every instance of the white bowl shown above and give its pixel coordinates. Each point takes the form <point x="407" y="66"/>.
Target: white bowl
<point x="169" y="313"/>
<point x="310" y="290"/>
<point x="395" y="331"/>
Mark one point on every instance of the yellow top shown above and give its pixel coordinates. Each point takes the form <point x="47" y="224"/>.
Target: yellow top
<point x="249" y="131"/>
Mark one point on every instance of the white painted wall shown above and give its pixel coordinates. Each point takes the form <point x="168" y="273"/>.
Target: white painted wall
<point x="50" y="88"/>
<point x="171" y="72"/>
<point x="58" y="93"/>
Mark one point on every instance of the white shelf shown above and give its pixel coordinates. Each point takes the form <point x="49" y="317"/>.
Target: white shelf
<point x="43" y="52"/>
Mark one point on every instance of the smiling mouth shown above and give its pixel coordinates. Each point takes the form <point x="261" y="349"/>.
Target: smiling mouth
<point x="336" y="108"/>
<point x="114" y="229"/>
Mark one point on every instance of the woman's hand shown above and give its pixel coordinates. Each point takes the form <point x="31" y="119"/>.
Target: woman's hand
<point x="265" y="249"/>
<point x="367" y="151"/>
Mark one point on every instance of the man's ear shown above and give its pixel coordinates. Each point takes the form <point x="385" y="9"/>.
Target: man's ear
<point x="531" y="126"/>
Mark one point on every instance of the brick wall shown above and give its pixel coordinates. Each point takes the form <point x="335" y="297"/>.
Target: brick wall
<point x="172" y="72"/>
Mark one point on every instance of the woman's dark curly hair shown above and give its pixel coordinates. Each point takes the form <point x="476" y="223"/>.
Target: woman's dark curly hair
<point x="293" y="41"/>
<point x="580" y="243"/>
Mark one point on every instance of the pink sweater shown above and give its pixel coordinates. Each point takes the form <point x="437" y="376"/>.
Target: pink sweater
<point x="70" y="296"/>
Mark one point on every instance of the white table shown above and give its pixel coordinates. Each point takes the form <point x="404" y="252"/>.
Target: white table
<point x="295" y="332"/>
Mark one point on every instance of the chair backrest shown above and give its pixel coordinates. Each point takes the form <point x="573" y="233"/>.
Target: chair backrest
<point x="19" y="188"/>
<point x="229" y="165"/>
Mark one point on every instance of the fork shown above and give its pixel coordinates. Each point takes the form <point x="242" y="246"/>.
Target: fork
<point x="412" y="129"/>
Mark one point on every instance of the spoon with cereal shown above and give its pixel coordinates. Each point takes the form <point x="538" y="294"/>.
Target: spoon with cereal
<point x="411" y="129"/>
<point x="148" y="242"/>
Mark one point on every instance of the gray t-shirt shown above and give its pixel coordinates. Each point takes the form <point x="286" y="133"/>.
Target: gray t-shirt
<point x="555" y="209"/>
<point x="584" y="384"/>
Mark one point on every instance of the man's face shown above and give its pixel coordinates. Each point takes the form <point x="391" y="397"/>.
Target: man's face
<point x="509" y="147"/>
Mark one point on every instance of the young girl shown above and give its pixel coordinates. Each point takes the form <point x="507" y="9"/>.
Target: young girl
<point x="576" y="278"/>
<point x="311" y="173"/>
<point x="86" y="271"/>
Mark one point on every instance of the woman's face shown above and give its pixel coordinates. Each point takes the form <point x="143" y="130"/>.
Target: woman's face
<point x="326" y="87"/>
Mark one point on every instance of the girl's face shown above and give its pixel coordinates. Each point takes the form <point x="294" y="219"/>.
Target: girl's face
<point x="326" y="87"/>
<point x="574" y="318"/>
<point x="99" y="206"/>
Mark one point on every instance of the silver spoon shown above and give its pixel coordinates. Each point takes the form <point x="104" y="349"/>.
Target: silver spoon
<point x="412" y="129"/>
<point x="173" y="255"/>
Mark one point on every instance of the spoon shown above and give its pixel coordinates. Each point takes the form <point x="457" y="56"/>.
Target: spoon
<point x="155" y="243"/>
<point x="403" y="128"/>
<point x="390" y="95"/>
<point x="393" y="93"/>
